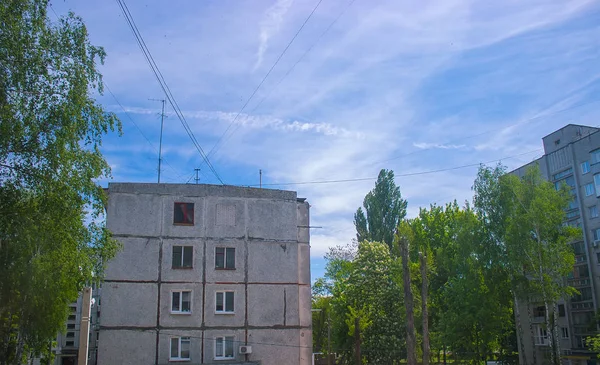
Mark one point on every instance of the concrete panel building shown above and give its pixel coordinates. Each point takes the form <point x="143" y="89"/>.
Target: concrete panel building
<point x="572" y="156"/>
<point x="207" y="275"/>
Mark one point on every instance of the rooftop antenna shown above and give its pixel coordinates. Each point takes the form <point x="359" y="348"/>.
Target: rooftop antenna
<point x="260" y="178"/>
<point x="162" y="120"/>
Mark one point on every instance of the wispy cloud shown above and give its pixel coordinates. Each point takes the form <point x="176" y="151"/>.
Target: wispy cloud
<point x="269" y="26"/>
<point x="399" y="85"/>
<point x="441" y="146"/>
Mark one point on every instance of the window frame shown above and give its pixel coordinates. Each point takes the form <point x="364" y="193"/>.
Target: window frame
<point x="593" y="210"/>
<point x="186" y="214"/>
<point x="585" y="167"/>
<point x="224" y="347"/>
<point x="596" y="234"/>
<point x="563" y="331"/>
<point x="225" y="258"/>
<point x="183" y="256"/>
<point x="180" y="339"/>
<point x="590" y="189"/>
<point x="595" y="156"/>
<point x="224" y="301"/>
<point x="540" y="337"/>
<point x="180" y="311"/>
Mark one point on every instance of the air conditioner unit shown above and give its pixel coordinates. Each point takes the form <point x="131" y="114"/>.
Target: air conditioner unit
<point x="245" y="350"/>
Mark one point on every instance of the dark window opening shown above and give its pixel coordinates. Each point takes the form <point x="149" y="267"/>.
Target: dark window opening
<point x="183" y="257"/>
<point x="224" y="302"/>
<point x="225" y="258"/>
<point x="561" y="310"/>
<point x="539" y="311"/>
<point x="183" y="213"/>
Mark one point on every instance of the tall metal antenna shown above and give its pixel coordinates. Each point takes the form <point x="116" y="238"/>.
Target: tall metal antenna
<point x="162" y="121"/>
<point x="260" y="178"/>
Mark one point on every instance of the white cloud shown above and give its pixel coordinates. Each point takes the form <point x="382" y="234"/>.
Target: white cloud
<point x="401" y="85"/>
<point x="441" y="146"/>
<point x="269" y="26"/>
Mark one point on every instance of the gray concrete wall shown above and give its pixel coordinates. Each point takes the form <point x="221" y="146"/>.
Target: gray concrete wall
<point x="269" y="230"/>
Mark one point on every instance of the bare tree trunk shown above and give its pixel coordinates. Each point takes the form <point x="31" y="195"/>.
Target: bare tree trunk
<point x="555" y="330"/>
<point x="520" y="329"/>
<point x="424" y="292"/>
<point x="411" y="356"/>
<point x="534" y="350"/>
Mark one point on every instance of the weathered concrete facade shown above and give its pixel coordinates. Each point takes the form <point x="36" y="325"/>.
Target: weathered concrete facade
<point x="167" y="295"/>
<point x="572" y="156"/>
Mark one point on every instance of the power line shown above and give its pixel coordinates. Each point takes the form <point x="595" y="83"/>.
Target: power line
<point x="139" y="129"/>
<point x="399" y="175"/>
<point x="125" y="111"/>
<point x="286" y="74"/>
<point x="216" y="146"/>
<point x="164" y="86"/>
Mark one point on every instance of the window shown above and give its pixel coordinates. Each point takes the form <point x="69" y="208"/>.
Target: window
<point x="561" y="310"/>
<point x="225" y="258"/>
<point x="183" y="214"/>
<point x="589" y="189"/>
<point x="585" y="167"/>
<point x="540" y="335"/>
<point x="597" y="181"/>
<point x="562" y="174"/>
<point x="70" y="343"/>
<point x="181" y="302"/>
<point x="71" y="326"/>
<point x="224" y="347"/>
<point x="180" y="348"/>
<point x="596" y="234"/>
<point x="182" y="257"/>
<point x="574" y="203"/>
<point x="565" y="332"/>
<point x="224" y="302"/>
<point x="70" y="334"/>
<point x="71" y="317"/>
<point x="595" y="156"/>
<point x="539" y="311"/>
<point x="593" y="211"/>
<point x="598" y="257"/>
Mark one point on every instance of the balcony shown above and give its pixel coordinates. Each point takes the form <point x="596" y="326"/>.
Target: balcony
<point x="578" y="283"/>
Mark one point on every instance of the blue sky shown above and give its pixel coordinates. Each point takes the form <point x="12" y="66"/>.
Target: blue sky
<point x="402" y="85"/>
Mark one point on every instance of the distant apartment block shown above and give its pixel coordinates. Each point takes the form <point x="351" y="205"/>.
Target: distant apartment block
<point x="67" y="346"/>
<point x="207" y="275"/>
<point x="572" y="156"/>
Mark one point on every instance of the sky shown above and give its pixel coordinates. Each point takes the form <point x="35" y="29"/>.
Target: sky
<point x="408" y="85"/>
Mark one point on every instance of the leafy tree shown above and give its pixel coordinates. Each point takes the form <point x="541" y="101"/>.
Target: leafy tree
<point x="384" y="208"/>
<point x="524" y="218"/>
<point x="51" y="243"/>
<point x="366" y="285"/>
<point x="404" y="237"/>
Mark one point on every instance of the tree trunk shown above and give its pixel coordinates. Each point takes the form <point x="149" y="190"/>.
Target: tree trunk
<point x="411" y="356"/>
<point x="534" y="350"/>
<point x="555" y="331"/>
<point x="424" y="292"/>
<point x="520" y="329"/>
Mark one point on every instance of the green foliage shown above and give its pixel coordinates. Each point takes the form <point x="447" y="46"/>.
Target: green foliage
<point x="593" y="343"/>
<point x="366" y="285"/>
<point x="51" y="243"/>
<point x="384" y="209"/>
